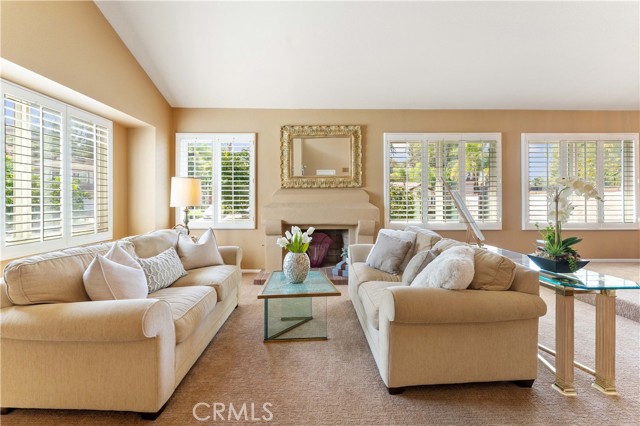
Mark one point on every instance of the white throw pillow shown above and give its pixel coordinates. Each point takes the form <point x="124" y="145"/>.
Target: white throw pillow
<point x="198" y="255"/>
<point x="162" y="270"/>
<point x="115" y="276"/>
<point x="417" y="264"/>
<point x="453" y="269"/>
<point x="409" y="236"/>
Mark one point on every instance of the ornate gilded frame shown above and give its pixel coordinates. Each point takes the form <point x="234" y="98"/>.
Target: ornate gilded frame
<point x="287" y="133"/>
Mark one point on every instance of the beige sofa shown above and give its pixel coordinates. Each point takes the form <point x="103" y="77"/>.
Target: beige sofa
<point x="425" y="336"/>
<point x="61" y="350"/>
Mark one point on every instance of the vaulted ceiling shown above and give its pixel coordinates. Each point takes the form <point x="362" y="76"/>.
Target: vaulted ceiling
<point x="386" y="55"/>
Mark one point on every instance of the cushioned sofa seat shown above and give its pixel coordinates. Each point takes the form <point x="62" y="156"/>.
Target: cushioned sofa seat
<point x="223" y="278"/>
<point x="189" y="306"/>
<point x="363" y="273"/>
<point x="370" y="294"/>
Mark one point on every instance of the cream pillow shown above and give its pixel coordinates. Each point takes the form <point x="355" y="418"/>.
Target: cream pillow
<point x="162" y="270"/>
<point x="425" y="238"/>
<point x="115" y="276"/>
<point x="198" y="255"/>
<point x="452" y="269"/>
<point x="492" y="271"/>
<point x="417" y="264"/>
<point x="409" y="236"/>
<point x="388" y="253"/>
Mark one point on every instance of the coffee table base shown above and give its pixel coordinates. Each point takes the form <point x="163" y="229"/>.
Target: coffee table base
<point x="299" y="318"/>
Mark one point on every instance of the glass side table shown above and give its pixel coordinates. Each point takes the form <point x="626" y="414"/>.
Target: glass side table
<point x="296" y="311"/>
<point x="565" y="286"/>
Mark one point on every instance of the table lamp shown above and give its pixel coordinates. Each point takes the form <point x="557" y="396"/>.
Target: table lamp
<point x="185" y="192"/>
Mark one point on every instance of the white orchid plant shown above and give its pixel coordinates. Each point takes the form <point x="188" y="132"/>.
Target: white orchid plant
<point x="559" y="212"/>
<point x="296" y="241"/>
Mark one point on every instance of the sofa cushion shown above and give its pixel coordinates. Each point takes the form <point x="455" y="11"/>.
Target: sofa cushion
<point x="388" y="253"/>
<point x="425" y="238"/>
<point x="447" y="243"/>
<point x="453" y="270"/>
<point x="492" y="271"/>
<point x="54" y="277"/>
<point x="224" y="278"/>
<point x="162" y="270"/>
<point x="189" y="306"/>
<point x="417" y="264"/>
<point x="115" y="276"/>
<point x="370" y="294"/>
<point x="363" y="273"/>
<point x="203" y="253"/>
<point x="153" y="243"/>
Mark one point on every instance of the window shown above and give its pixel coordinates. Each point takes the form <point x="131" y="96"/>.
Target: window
<point x="56" y="174"/>
<point x="225" y="164"/>
<point x="609" y="161"/>
<point x="416" y="164"/>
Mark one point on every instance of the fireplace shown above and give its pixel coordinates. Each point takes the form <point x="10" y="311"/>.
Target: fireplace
<point x="337" y="210"/>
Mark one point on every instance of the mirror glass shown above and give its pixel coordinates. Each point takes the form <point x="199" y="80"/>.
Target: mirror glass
<point x="315" y="156"/>
<point x="320" y="156"/>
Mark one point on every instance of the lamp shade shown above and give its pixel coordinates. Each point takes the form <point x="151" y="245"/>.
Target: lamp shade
<point x="185" y="192"/>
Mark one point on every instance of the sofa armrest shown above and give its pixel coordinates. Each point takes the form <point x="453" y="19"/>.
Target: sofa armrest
<point x="231" y="255"/>
<point x="99" y="321"/>
<point x="415" y="305"/>
<point x="359" y="252"/>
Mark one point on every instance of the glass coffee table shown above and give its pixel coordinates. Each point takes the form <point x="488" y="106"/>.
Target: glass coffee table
<point x="296" y="311"/>
<point x="565" y="286"/>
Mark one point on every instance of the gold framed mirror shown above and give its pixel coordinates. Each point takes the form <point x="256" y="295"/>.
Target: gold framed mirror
<point x="321" y="156"/>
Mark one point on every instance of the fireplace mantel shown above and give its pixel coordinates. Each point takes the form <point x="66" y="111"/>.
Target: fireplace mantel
<point x="339" y="208"/>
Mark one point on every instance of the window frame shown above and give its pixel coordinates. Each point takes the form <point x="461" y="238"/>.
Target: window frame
<point x="599" y="138"/>
<point x="424" y="138"/>
<point x="67" y="112"/>
<point x="218" y="139"/>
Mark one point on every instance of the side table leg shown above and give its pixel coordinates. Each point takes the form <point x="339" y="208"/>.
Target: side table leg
<point x="564" y="342"/>
<point x="606" y="342"/>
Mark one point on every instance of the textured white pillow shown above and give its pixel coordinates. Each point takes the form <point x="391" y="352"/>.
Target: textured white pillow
<point x="162" y="270"/>
<point x="453" y="269"/>
<point x="198" y="255"/>
<point x="417" y="264"/>
<point x="114" y="276"/>
<point x="409" y="236"/>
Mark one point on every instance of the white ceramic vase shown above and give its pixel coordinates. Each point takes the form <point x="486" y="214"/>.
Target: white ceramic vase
<point x="296" y="267"/>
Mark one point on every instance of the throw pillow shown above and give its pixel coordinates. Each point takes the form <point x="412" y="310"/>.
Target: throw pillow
<point x="198" y="255"/>
<point x="447" y="243"/>
<point x="452" y="269"/>
<point x="492" y="271"/>
<point x="404" y="236"/>
<point x="425" y="238"/>
<point x="115" y="276"/>
<point x="417" y="264"/>
<point x="162" y="270"/>
<point x="388" y="253"/>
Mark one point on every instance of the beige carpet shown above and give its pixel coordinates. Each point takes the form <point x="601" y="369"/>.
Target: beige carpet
<point x="336" y="382"/>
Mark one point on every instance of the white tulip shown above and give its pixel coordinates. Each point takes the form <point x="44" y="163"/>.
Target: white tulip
<point x="310" y="230"/>
<point x="306" y="239"/>
<point x="287" y="234"/>
<point x="283" y="242"/>
<point x="295" y="230"/>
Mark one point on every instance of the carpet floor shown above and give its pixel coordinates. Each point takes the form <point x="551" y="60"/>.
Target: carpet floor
<point x="336" y="382"/>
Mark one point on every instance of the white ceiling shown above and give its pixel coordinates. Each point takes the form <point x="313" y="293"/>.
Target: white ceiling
<point x="387" y="55"/>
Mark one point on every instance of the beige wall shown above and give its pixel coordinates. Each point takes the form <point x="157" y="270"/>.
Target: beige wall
<point x="266" y="123"/>
<point x="71" y="43"/>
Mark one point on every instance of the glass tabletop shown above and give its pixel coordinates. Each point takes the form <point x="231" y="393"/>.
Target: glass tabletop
<point x="581" y="279"/>
<point x="316" y="284"/>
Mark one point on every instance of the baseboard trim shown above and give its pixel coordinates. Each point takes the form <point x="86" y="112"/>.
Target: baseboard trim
<point x="614" y="260"/>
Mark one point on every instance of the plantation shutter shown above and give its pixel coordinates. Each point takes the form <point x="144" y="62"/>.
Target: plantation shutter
<point x="618" y="189"/>
<point x="235" y="182"/>
<point x="418" y="163"/>
<point x="543" y="171"/>
<point x="196" y="160"/>
<point x="33" y="169"/>
<point x="405" y="181"/>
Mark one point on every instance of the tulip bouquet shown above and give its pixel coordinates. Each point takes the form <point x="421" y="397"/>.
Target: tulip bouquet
<point x="560" y="208"/>
<point x="296" y="241"/>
